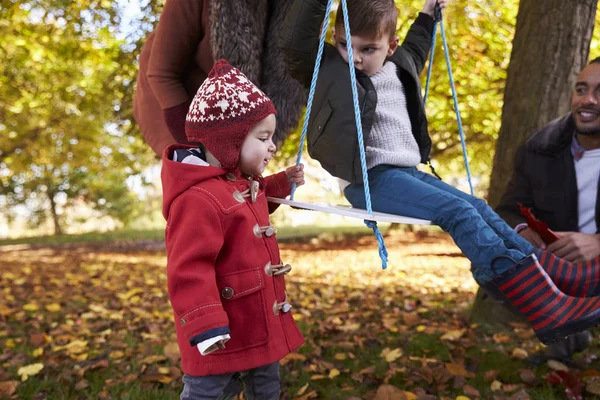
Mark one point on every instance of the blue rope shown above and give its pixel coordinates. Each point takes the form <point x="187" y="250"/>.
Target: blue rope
<point x="371" y="224"/>
<point x="311" y="93"/>
<point x="431" y="54"/>
<point x="455" y="98"/>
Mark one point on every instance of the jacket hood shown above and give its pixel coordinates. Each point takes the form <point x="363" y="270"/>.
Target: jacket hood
<point x="177" y="177"/>
<point x="553" y="138"/>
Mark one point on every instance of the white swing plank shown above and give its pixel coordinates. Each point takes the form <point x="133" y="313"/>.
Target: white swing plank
<point x="350" y="212"/>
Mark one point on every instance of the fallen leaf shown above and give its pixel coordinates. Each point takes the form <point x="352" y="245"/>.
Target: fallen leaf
<point x="367" y="371"/>
<point x="471" y="391"/>
<point x="309" y="395"/>
<point x="302" y="390"/>
<point x="115" y="355"/>
<point x="153" y="359"/>
<point x="31" y="307"/>
<point x="172" y="351"/>
<point x="411" y="319"/>
<point x="93" y="365"/>
<point x="520" y="354"/>
<point x="410" y="395"/>
<point x="54" y="307"/>
<point x="82" y="384"/>
<point x="521" y="395"/>
<point x="157" y="378"/>
<point x="8" y="388"/>
<point x="491" y="375"/>
<point x="389" y="392"/>
<point x="391" y="355"/>
<point x="292" y="357"/>
<point x="509" y="388"/>
<point x="317" y="377"/>
<point x="557" y="366"/>
<point x="495" y="386"/>
<point x="333" y="373"/>
<point x="592" y="386"/>
<point x="459" y="370"/>
<point x="454" y="335"/>
<point x="37" y="339"/>
<point x="340" y="356"/>
<point x="30" y="370"/>
<point x="528" y="376"/>
<point x="501" y="338"/>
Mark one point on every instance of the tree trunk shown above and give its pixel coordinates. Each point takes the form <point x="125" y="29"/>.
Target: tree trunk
<point x="550" y="47"/>
<point x="55" y="219"/>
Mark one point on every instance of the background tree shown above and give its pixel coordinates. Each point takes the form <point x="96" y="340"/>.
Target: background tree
<point x="65" y="100"/>
<point x="551" y="46"/>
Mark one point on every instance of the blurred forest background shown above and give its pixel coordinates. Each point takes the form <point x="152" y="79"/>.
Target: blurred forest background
<point x="73" y="160"/>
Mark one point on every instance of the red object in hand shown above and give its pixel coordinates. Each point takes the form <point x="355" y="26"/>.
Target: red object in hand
<point x="538" y="226"/>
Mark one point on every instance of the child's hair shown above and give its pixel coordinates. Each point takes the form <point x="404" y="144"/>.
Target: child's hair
<point x="370" y="17"/>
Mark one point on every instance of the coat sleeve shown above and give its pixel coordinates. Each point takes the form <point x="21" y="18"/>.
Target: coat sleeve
<point x="418" y="40"/>
<point x="519" y="190"/>
<point x="299" y="38"/>
<point x="175" y="42"/>
<point x="194" y="238"/>
<point x="278" y="186"/>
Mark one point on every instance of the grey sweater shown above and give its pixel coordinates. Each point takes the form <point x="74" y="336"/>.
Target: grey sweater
<point x="391" y="140"/>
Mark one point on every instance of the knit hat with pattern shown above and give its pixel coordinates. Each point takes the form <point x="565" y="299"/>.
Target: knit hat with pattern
<point x="225" y="108"/>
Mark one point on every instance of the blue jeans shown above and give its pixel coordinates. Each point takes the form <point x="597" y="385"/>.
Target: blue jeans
<point x="476" y="229"/>
<point x="259" y="383"/>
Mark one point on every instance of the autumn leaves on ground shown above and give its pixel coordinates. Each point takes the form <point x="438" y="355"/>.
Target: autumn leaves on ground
<point x="93" y="321"/>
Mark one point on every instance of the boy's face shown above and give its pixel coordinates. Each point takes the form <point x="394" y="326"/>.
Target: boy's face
<point x="369" y="52"/>
<point x="258" y="148"/>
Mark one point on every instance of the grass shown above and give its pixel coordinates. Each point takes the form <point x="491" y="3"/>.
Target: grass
<point x="351" y="312"/>
<point x="286" y="233"/>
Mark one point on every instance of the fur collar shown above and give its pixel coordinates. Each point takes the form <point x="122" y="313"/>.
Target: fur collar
<point x="246" y="33"/>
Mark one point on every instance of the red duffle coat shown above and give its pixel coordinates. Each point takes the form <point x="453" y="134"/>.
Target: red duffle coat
<point x="217" y="270"/>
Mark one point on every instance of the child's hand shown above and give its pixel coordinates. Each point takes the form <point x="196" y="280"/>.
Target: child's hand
<point x="430" y="5"/>
<point x="295" y="174"/>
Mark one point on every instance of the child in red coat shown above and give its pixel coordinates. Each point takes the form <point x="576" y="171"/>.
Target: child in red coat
<point x="224" y="272"/>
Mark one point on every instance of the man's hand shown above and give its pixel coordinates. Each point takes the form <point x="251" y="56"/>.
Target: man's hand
<point x="295" y="174"/>
<point x="575" y="246"/>
<point x="533" y="237"/>
<point x="430" y="5"/>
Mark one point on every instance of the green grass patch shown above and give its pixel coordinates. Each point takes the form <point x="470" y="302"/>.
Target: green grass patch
<point x="284" y="234"/>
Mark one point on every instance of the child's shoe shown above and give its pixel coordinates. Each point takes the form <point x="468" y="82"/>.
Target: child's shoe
<point x="552" y="314"/>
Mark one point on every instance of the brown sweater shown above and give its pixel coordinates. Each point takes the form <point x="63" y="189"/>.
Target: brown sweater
<point x="190" y="36"/>
<point x="172" y="69"/>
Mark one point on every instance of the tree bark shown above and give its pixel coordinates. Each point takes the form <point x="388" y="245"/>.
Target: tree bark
<point x="55" y="219"/>
<point x="550" y="47"/>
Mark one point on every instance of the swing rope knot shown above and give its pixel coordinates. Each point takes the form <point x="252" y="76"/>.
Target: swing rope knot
<point x="383" y="254"/>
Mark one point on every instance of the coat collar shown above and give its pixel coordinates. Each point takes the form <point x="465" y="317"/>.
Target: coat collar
<point x="554" y="138"/>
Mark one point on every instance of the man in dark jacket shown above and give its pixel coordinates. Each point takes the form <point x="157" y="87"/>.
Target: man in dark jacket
<point x="557" y="174"/>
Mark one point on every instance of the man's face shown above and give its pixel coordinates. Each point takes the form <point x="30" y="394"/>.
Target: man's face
<point x="585" y="103"/>
<point x="369" y="53"/>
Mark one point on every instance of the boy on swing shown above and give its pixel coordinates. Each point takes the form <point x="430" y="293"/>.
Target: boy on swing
<point x="557" y="297"/>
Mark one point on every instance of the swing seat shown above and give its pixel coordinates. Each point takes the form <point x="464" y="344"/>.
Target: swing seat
<point x="350" y="212"/>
